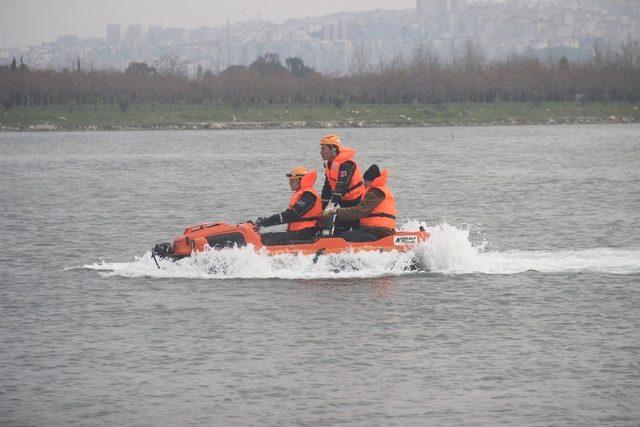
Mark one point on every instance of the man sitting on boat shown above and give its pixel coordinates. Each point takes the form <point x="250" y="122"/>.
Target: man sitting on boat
<point x="343" y="179"/>
<point x="376" y="211"/>
<point x="302" y="214"/>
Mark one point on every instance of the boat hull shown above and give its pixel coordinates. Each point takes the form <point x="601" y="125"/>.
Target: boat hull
<point x="202" y="237"/>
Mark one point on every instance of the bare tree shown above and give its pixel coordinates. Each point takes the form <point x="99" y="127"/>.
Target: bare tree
<point x="171" y="65"/>
<point x="359" y="61"/>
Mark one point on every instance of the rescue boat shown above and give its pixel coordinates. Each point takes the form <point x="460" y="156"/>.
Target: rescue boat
<point x="219" y="235"/>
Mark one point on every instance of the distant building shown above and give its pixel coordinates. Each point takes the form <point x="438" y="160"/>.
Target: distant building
<point x="174" y="35"/>
<point x="442" y="16"/>
<point x="422" y="6"/>
<point x="335" y="31"/>
<point x="133" y="34"/>
<point x="154" y="33"/>
<point x="113" y="34"/>
<point x="67" y="41"/>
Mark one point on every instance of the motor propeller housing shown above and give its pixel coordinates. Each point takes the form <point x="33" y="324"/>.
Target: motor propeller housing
<point x="162" y="249"/>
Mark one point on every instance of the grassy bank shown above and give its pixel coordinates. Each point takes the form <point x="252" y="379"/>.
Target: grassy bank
<point x="145" y="116"/>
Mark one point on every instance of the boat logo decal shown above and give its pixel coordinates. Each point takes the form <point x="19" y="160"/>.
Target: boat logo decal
<point x="405" y="240"/>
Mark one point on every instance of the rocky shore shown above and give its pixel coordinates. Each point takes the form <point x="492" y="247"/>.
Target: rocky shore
<point x="47" y="127"/>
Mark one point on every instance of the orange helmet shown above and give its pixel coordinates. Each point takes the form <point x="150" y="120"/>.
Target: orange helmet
<point x="331" y="139"/>
<point x="297" y="173"/>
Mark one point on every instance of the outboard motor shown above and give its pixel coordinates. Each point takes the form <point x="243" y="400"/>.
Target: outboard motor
<point x="161" y="250"/>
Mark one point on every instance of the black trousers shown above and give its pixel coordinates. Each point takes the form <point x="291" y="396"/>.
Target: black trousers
<point x="284" y="237"/>
<point x="358" y="236"/>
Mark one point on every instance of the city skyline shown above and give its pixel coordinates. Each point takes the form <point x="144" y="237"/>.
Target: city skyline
<point x="345" y="42"/>
<point x="28" y="22"/>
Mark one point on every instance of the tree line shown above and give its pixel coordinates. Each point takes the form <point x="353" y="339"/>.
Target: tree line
<point x="609" y="74"/>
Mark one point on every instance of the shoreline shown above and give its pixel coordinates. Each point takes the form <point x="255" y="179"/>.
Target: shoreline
<point x="46" y="127"/>
<point x="145" y="117"/>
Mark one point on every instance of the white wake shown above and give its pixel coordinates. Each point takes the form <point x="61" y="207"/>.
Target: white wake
<point x="448" y="251"/>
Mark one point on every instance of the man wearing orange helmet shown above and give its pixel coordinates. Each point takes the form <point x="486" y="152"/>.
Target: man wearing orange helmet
<point x="343" y="178"/>
<point x="302" y="214"/>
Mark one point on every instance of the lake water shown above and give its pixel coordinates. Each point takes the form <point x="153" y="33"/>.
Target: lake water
<point x="529" y="313"/>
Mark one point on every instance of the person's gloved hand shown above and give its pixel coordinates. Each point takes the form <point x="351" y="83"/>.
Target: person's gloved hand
<point x="330" y="210"/>
<point x="260" y="222"/>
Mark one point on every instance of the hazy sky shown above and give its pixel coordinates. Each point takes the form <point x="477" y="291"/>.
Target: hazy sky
<point x="28" y="22"/>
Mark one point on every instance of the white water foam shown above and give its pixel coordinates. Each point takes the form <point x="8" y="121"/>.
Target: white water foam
<point x="448" y="251"/>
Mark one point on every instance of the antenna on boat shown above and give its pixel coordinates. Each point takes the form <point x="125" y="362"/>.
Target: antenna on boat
<point x="333" y="224"/>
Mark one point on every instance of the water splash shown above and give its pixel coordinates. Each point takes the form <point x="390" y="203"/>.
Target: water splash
<point x="246" y="263"/>
<point x="448" y="251"/>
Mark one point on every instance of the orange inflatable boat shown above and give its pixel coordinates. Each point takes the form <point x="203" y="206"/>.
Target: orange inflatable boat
<point x="218" y="235"/>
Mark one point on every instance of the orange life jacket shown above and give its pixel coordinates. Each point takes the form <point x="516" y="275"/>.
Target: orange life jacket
<point x="356" y="188"/>
<point x="309" y="218"/>
<point x="383" y="215"/>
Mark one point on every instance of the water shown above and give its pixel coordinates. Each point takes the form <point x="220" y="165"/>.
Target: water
<point x="529" y="312"/>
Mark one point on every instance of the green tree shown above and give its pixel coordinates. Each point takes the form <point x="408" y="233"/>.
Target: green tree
<point x="297" y="68"/>
<point x="268" y="65"/>
<point x="140" y="68"/>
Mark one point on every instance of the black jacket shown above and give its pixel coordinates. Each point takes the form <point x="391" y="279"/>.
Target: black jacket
<point x="346" y="171"/>
<point x="302" y="206"/>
